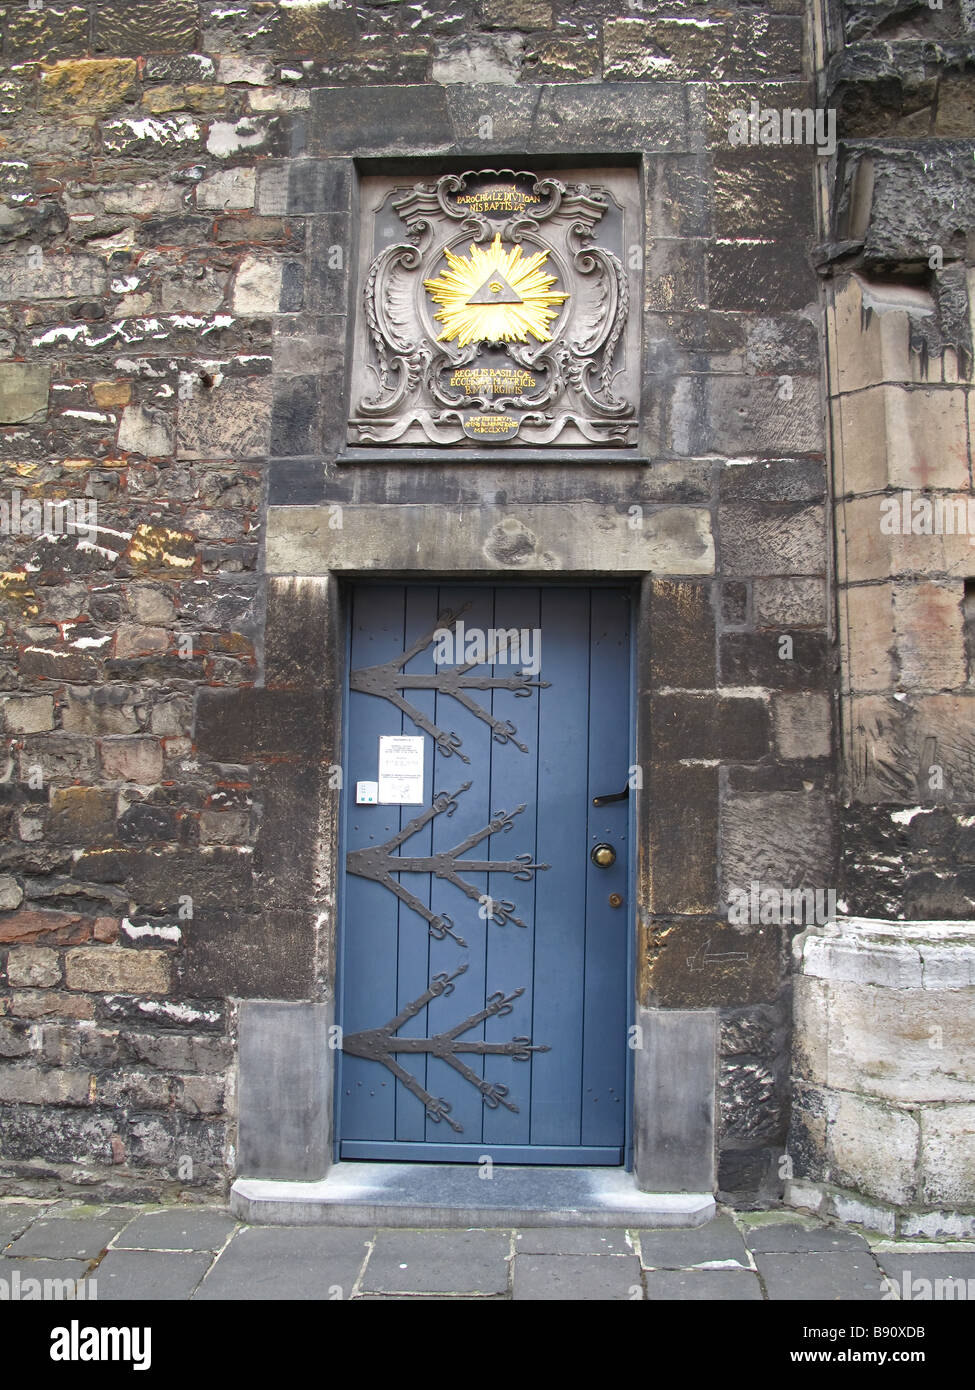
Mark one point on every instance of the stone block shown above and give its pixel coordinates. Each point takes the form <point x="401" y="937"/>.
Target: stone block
<point x="551" y="537"/>
<point x="666" y="49"/>
<point x="789" y="603"/>
<point x="901" y="1045"/>
<point x="694" y="962"/>
<point x="31" y="1086"/>
<point x="100" y="710"/>
<point x="646" y="116"/>
<point x="676" y="277"/>
<point x="895" y="747"/>
<point x="550" y="59"/>
<point x="843" y="958"/>
<point x="27" y="714"/>
<point x="151" y="603"/>
<point x="46" y="925"/>
<point x="802" y="724"/>
<point x="178" y="136"/>
<point x="249" y="135"/>
<point x="930" y="635"/>
<point x="87" y="84"/>
<point x="770" y="278"/>
<point x="868" y="548"/>
<point x="773" y="480"/>
<point x="777" y="839"/>
<point x="763" y="193"/>
<point x="903" y="437"/>
<point x="767" y="539"/>
<point x="81" y="815"/>
<point x="867" y="637"/>
<point x="285" y="1090"/>
<point x="47" y="32"/>
<point x="133" y="640"/>
<point x="227" y="189"/>
<point x="24" y="390"/>
<point x="14" y="1040"/>
<point x="145" y="27"/>
<point x="873" y="1148"/>
<point x="706" y="727"/>
<point x="491" y="58"/>
<point x="866" y="348"/>
<point x="678" y="196"/>
<point x="161" y="549"/>
<point x="683" y="838"/>
<point x="145" y="431"/>
<point x="674" y="1080"/>
<point x="749" y="415"/>
<point x="250" y="725"/>
<point x="107" y="394"/>
<point x="231" y="420"/>
<point x="33" y="967"/>
<point x="250" y="955"/>
<point x="767" y="659"/>
<point x="810" y="1022"/>
<point x="843" y="1276"/>
<point x="258" y="285"/>
<point x="117" y="969"/>
<point x="47" y="1003"/>
<point x="132" y="758"/>
<point x="516" y="14"/>
<point x="11" y="893"/>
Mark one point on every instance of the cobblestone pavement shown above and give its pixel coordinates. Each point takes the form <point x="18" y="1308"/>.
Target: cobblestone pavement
<point x="158" y="1253"/>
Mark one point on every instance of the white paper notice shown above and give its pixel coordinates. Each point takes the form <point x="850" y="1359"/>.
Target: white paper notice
<point x="400" y="770"/>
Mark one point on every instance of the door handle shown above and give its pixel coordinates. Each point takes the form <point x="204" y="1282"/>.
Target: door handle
<point x="613" y="796"/>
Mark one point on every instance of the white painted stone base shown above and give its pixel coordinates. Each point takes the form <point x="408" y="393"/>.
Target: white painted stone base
<point x="884" y="1070"/>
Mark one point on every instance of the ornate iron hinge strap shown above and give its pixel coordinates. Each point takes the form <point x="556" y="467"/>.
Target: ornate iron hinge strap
<point x="377" y="862"/>
<point x="379" y="1044"/>
<point x="387" y="680"/>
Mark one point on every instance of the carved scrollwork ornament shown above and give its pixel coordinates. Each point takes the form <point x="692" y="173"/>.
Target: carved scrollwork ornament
<point x="499" y="314"/>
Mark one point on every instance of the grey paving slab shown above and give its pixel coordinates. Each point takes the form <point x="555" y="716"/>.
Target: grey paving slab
<point x="818" y="1276"/>
<point x="405" y="1261"/>
<point x="702" y="1285"/>
<point x="15" y="1217"/>
<point x="793" y="1238"/>
<point x="919" y="1277"/>
<point x="68" y="1237"/>
<point x="581" y="1278"/>
<point x="718" y="1241"/>
<point x="572" y="1240"/>
<point x="277" y="1262"/>
<point x="150" y="1274"/>
<point x="189" y="1229"/>
<point x="57" y="1279"/>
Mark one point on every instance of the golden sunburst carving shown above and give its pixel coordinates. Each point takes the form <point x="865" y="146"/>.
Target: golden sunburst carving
<point x="495" y="296"/>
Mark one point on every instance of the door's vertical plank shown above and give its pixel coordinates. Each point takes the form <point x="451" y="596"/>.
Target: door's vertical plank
<point x="414" y="974"/>
<point x="368" y="1101"/>
<point x="473" y="811"/>
<point x="604" y="1050"/>
<point x="510" y="949"/>
<point x="560" y="897"/>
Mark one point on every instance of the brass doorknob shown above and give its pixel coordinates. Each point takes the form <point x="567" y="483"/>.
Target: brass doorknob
<point x="603" y="856"/>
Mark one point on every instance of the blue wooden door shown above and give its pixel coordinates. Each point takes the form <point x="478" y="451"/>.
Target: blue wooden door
<point x="483" y="952"/>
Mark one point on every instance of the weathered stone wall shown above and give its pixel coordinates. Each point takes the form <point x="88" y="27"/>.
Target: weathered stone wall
<point x="176" y="178"/>
<point x="882" y="1118"/>
<point x="899" y="269"/>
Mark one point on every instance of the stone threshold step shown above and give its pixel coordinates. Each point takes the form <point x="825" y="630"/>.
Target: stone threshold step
<point x="454" y="1195"/>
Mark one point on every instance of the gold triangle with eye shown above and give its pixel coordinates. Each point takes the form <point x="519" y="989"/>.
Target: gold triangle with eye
<point x="495" y="290"/>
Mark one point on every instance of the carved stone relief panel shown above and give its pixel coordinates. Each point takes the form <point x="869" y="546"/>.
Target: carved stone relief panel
<point x="498" y="307"/>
